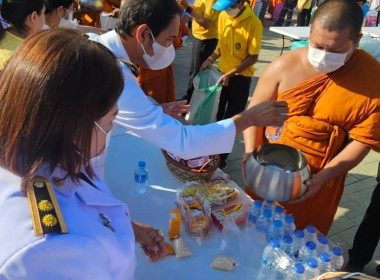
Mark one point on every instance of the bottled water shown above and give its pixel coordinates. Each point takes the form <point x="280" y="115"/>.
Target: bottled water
<point x="311" y="233"/>
<point x="278" y="213"/>
<point x="312" y="269"/>
<point x="268" y="204"/>
<point x="264" y="220"/>
<point x="298" y="272"/>
<point x="255" y="212"/>
<point x="141" y="178"/>
<point x="268" y="261"/>
<point x="337" y="259"/>
<point x="322" y="244"/>
<point x="298" y="242"/>
<point x="308" y="251"/>
<point x="275" y="230"/>
<point x="289" y="226"/>
<point x="287" y="245"/>
<point x="273" y="132"/>
<point x="325" y="263"/>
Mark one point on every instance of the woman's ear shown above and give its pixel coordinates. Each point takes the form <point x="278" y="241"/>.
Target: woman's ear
<point x="142" y="33"/>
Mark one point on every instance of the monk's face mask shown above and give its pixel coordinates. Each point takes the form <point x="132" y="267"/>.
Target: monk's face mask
<point x="327" y="62"/>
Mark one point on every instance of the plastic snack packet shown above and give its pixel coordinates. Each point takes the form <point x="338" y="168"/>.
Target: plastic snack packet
<point x="223" y="263"/>
<point x="180" y="248"/>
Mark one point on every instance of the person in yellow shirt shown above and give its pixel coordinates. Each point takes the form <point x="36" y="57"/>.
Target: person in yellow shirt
<point x="304" y="12"/>
<point x="239" y="45"/>
<point x="205" y="32"/>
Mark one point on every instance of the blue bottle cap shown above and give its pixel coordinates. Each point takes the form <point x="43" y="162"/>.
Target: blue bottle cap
<point x="267" y="213"/>
<point x="323" y="240"/>
<point x="287" y="239"/>
<point x="313" y="263"/>
<point x="324" y="257"/>
<point x="141" y="163"/>
<point x="277" y="223"/>
<point x="299" y="233"/>
<point x="279" y="210"/>
<point x="275" y="243"/>
<point x="337" y="251"/>
<point x="310" y="245"/>
<point x="311" y="229"/>
<point x="258" y="204"/>
<point x="299" y="269"/>
<point x="289" y="219"/>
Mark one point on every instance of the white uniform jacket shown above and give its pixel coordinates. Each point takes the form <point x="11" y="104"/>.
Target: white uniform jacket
<point x="89" y="250"/>
<point x="138" y="114"/>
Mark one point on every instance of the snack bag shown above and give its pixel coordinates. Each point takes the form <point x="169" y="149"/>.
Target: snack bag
<point x="223" y="263"/>
<point x="181" y="249"/>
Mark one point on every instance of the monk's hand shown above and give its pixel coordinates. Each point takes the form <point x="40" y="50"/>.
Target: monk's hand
<point x="243" y="162"/>
<point x="176" y="108"/>
<point x="206" y="64"/>
<point x="268" y="113"/>
<point x="314" y="185"/>
<point x="224" y="80"/>
<point x="151" y="241"/>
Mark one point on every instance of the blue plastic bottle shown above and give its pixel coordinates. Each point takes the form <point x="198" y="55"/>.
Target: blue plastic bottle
<point x="289" y="226"/>
<point x="141" y="178"/>
<point x="325" y="263"/>
<point x="298" y="242"/>
<point x="255" y="212"/>
<point x="312" y="269"/>
<point x="337" y="259"/>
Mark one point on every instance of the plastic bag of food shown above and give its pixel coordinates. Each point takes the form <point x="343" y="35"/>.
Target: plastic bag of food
<point x="181" y="249"/>
<point x="223" y="263"/>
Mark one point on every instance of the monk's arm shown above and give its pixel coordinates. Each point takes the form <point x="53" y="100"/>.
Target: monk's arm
<point x="347" y="159"/>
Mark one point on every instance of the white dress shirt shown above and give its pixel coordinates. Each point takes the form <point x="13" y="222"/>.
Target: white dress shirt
<point x="138" y="114"/>
<point x="89" y="250"/>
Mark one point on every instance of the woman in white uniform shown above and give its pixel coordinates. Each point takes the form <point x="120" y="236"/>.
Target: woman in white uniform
<point x="58" y="219"/>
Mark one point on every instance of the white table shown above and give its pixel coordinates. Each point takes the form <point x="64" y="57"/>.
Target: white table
<point x="153" y="208"/>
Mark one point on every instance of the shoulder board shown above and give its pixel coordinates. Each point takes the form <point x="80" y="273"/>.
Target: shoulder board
<point x="131" y="66"/>
<point x="46" y="214"/>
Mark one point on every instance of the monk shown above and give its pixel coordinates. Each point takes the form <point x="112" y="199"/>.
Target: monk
<point x="159" y="84"/>
<point x="93" y="18"/>
<point x="333" y="93"/>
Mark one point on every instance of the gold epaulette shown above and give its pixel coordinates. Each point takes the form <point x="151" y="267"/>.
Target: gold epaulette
<point x="46" y="214"/>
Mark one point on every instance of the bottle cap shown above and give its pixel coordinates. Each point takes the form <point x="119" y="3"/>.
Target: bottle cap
<point x="275" y="243"/>
<point x="287" y="239"/>
<point x="313" y="263"/>
<point x="279" y="210"/>
<point x="310" y="245"/>
<point x="299" y="269"/>
<point x="299" y="233"/>
<point x="311" y="229"/>
<point x="289" y="219"/>
<point x="258" y="204"/>
<point x="323" y="240"/>
<point x="337" y="251"/>
<point x="324" y="257"/>
<point x="267" y="213"/>
<point x="277" y="223"/>
<point x="141" y="164"/>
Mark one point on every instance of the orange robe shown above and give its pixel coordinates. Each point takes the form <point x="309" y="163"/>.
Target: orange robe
<point x="323" y="111"/>
<point x="159" y="84"/>
<point x="93" y="18"/>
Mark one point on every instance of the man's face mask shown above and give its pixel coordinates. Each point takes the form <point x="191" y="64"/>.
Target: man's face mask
<point x="68" y="22"/>
<point x="326" y="62"/>
<point x="162" y="57"/>
<point x="232" y="12"/>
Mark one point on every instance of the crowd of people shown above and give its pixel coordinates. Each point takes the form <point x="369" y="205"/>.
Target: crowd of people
<point x="58" y="104"/>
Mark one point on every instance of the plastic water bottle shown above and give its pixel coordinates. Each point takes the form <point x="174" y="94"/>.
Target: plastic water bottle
<point x="298" y="242"/>
<point x="287" y="245"/>
<point x="308" y="251"/>
<point x="141" y="178"/>
<point x="273" y="132"/>
<point x="311" y="233"/>
<point x="264" y="220"/>
<point x="337" y="259"/>
<point x="278" y="213"/>
<point x="268" y="261"/>
<point x="325" y="263"/>
<point x="255" y="212"/>
<point x="312" y="269"/>
<point x="275" y="230"/>
<point x="322" y="244"/>
<point x="289" y="226"/>
<point x="298" y="272"/>
<point x="268" y="204"/>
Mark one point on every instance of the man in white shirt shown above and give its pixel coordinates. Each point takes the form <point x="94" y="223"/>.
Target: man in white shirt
<point x="144" y="34"/>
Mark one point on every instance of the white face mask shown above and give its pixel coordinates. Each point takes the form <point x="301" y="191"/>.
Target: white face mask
<point x="232" y="12"/>
<point x="45" y="27"/>
<point x="68" y="22"/>
<point x="161" y="58"/>
<point x="326" y="62"/>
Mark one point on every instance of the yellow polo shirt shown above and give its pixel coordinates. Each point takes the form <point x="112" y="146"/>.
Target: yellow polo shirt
<point x="8" y="45"/>
<point x="204" y="8"/>
<point x="238" y="38"/>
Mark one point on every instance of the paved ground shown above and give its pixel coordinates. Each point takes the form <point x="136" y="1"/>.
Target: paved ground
<point x="359" y="183"/>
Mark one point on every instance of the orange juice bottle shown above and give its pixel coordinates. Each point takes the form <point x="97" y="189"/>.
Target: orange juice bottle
<point x="174" y="224"/>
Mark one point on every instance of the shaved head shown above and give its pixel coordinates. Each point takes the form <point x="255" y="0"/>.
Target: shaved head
<point x="336" y="15"/>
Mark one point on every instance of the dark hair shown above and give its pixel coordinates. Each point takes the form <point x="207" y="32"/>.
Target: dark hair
<point x="68" y="82"/>
<point x="157" y="14"/>
<point x="2" y="31"/>
<point x="16" y="11"/>
<point x="336" y="15"/>
<point x="51" y="5"/>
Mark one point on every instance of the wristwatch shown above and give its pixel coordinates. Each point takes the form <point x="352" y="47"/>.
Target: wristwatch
<point x="189" y="9"/>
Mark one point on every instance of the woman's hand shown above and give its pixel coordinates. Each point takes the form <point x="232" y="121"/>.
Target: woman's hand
<point x="206" y="64"/>
<point x="176" y="108"/>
